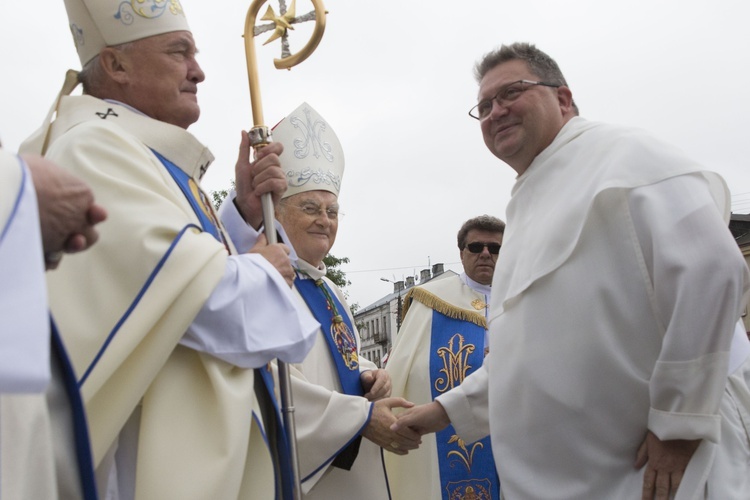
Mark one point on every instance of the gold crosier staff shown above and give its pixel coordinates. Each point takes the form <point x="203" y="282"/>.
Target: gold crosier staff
<point x="260" y="135"/>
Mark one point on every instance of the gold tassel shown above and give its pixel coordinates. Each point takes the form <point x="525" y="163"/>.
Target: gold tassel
<point x="434" y="302"/>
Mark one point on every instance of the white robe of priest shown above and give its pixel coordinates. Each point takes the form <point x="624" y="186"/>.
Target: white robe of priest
<point x="161" y="344"/>
<point x="614" y="303"/>
<point x="417" y="474"/>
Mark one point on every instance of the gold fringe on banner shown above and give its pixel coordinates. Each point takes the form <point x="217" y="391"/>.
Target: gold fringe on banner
<point x="436" y="303"/>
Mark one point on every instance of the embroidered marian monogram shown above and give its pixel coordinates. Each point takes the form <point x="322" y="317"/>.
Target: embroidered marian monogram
<point x="467" y="470"/>
<point x="311" y="136"/>
<point x="110" y="112"/>
<point x="455" y="363"/>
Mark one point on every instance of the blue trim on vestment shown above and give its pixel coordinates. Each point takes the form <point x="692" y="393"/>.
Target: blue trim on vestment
<point x="456" y="351"/>
<point x="356" y="435"/>
<point x="182" y="179"/>
<point x="282" y="442"/>
<point x="19" y="197"/>
<point x="135" y="302"/>
<point x="80" y="424"/>
<point x="259" y="421"/>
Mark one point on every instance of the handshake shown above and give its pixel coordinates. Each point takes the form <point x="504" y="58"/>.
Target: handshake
<point x="402" y="433"/>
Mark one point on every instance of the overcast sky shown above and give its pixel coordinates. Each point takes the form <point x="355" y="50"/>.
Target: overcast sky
<point x="394" y="79"/>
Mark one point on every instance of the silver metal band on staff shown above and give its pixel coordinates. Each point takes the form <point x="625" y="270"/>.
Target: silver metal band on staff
<point x="260" y="136"/>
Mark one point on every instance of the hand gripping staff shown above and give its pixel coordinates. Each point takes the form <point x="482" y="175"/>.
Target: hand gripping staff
<point x="260" y="135"/>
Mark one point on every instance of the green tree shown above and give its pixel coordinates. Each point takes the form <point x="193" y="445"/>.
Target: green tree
<point x="338" y="276"/>
<point x="334" y="272"/>
<point x="218" y="196"/>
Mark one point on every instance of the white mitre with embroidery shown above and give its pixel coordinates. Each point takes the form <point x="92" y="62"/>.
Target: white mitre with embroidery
<point x="313" y="158"/>
<point x="96" y="24"/>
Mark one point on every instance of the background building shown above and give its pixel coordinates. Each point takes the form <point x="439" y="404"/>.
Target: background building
<point x="379" y="322"/>
<point x="739" y="225"/>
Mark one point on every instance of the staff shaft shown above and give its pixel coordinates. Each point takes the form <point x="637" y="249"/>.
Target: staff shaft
<point x="285" y="386"/>
<point x="260" y="136"/>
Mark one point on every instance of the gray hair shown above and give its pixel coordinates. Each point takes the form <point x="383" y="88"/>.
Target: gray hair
<point x="93" y="76"/>
<point x="482" y="223"/>
<point x="542" y="65"/>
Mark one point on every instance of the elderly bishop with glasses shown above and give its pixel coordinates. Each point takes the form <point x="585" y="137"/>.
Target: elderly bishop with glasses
<point x="343" y="412"/>
<point x="442" y="340"/>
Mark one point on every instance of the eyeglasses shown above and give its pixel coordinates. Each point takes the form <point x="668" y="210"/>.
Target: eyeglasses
<point x="478" y="247"/>
<point x="505" y="96"/>
<point x="315" y="210"/>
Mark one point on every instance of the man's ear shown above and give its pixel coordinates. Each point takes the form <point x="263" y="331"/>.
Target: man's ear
<point x="114" y="62"/>
<point x="565" y="99"/>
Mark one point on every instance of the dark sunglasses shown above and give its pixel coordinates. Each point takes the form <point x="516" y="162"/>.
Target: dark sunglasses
<point x="477" y="247"/>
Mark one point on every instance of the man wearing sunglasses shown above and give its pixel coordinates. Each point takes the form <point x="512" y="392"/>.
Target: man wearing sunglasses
<point x="618" y="367"/>
<point x="443" y="339"/>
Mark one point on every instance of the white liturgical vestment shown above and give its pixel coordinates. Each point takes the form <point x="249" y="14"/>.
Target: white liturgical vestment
<point x="614" y="303"/>
<point x="171" y="415"/>
<point x="327" y="420"/>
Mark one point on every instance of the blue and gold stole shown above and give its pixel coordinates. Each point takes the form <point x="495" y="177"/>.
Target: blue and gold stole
<point x="197" y="199"/>
<point x="467" y="470"/>
<point x="277" y="439"/>
<point x="340" y="334"/>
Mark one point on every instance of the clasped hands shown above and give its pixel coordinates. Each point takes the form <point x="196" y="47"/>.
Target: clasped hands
<point x="377" y="387"/>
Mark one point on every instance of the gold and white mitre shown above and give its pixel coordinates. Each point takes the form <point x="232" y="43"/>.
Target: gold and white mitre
<point x="313" y="158"/>
<point x="96" y="24"/>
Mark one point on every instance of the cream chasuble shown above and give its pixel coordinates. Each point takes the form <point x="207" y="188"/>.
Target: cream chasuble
<point x="124" y="305"/>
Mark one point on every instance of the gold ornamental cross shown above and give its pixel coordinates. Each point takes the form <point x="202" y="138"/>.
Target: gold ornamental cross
<point x="281" y="24"/>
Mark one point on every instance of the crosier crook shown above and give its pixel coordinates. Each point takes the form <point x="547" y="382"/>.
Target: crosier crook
<point x="260" y="136"/>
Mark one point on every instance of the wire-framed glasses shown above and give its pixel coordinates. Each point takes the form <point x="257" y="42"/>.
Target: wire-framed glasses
<point x="505" y="96"/>
<point x="315" y="210"/>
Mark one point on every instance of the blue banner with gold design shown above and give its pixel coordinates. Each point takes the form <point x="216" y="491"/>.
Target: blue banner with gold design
<point x="467" y="470"/>
<point x="338" y="331"/>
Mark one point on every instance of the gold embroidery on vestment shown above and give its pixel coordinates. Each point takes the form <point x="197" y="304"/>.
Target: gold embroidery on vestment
<point x="465" y="455"/>
<point x="455" y="363"/>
